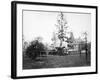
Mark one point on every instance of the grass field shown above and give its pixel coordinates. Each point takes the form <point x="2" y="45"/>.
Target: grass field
<point x="56" y="61"/>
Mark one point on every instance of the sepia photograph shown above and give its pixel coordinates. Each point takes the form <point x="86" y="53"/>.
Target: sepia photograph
<point x="53" y="39"/>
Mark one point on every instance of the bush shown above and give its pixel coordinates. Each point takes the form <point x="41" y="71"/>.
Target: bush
<point x="34" y="49"/>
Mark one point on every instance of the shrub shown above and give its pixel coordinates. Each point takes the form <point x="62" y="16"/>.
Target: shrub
<point x="34" y="49"/>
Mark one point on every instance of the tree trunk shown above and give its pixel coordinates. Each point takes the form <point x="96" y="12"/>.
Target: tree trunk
<point x="60" y="43"/>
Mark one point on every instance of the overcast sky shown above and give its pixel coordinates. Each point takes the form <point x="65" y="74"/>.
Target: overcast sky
<point x="42" y="24"/>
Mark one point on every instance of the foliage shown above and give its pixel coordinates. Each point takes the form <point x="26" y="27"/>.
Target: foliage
<point x="34" y="49"/>
<point x="71" y="46"/>
<point x="85" y="46"/>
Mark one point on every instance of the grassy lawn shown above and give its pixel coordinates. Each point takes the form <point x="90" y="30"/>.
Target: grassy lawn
<point x="56" y="61"/>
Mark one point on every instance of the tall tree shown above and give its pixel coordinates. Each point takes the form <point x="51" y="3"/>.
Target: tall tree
<point x="85" y="36"/>
<point x="25" y="43"/>
<point x="62" y="27"/>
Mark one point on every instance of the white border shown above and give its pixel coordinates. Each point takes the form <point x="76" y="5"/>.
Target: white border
<point x="35" y="72"/>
